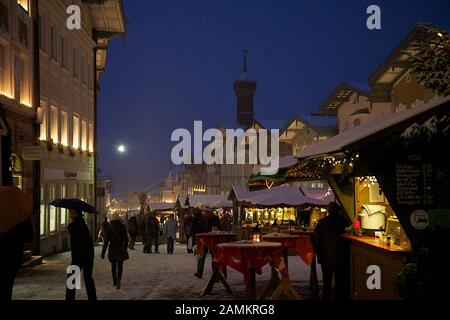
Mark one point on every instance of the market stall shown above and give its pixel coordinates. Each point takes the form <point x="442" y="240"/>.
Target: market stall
<point x="390" y="177"/>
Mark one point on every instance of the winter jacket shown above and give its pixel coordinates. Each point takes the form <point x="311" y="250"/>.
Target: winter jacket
<point x="132" y="226"/>
<point x="214" y="221"/>
<point x="152" y="225"/>
<point x="116" y="241"/>
<point x="170" y="229"/>
<point x="327" y="239"/>
<point x="81" y="243"/>
<point x="187" y="226"/>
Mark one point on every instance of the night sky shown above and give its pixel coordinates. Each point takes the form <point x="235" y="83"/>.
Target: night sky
<point x="179" y="60"/>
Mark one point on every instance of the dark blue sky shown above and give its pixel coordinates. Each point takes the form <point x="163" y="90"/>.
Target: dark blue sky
<point x="180" y="58"/>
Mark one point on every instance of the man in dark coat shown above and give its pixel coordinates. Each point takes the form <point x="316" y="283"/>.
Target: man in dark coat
<point x="201" y="225"/>
<point x="11" y="249"/>
<point x="153" y="229"/>
<point x="327" y="244"/>
<point x="132" y="231"/>
<point x="82" y="253"/>
<point x="187" y="229"/>
<point x="143" y="231"/>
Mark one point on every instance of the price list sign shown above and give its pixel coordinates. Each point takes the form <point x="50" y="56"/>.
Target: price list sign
<point x="414" y="184"/>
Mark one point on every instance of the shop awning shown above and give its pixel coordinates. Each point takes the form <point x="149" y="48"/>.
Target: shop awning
<point x="346" y="139"/>
<point x="281" y="196"/>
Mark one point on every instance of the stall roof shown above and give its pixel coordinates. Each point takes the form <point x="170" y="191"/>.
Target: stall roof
<point x="162" y="206"/>
<point x="207" y="200"/>
<point x="285" y="162"/>
<point x="341" y="141"/>
<point x="281" y="196"/>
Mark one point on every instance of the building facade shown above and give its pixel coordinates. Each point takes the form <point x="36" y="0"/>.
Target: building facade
<point x="71" y="62"/>
<point x="17" y="115"/>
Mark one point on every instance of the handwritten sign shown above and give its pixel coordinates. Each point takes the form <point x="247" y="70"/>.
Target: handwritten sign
<point x="414" y="183"/>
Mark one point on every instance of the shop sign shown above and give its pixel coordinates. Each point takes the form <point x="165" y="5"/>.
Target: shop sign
<point x="419" y="219"/>
<point x="65" y="174"/>
<point x="70" y="174"/>
<point x="32" y="153"/>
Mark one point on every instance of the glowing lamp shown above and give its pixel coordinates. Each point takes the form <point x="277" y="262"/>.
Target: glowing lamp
<point x="256" y="234"/>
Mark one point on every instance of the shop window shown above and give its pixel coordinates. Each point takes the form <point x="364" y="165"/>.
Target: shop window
<point x="16" y="170"/>
<point x="63" y="212"/>
<point x="76" y="132"/>
<point x="54" y="124"/>
<point x="64" y="128"/>
<point x="42" y="213"/>
<point x="4" y="17"/>
<point x="52" y="210"/>
<point x="24" y="4"/>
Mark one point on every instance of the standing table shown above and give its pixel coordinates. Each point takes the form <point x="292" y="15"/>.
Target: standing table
<point x="211" y="240"/>
<point x="248" y="258"/>
<point x="300" y="243"/>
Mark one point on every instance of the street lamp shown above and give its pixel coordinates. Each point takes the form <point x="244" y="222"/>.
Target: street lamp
<point x="121" y="149"/>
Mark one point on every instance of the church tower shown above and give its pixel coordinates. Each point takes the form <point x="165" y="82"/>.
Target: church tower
<point x="245" y="89"/>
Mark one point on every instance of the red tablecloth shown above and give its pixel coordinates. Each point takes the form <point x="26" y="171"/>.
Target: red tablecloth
<point x="212" y="239"/>
<point x="300" y="243"/>
<point x="246" y="256"/>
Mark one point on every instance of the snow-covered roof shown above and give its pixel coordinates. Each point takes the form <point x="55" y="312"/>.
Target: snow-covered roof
<point x="346" y="138"/>
<point x="281" y="196"/>
<point x="207" y="201"/>
<point x="161" y="206"/>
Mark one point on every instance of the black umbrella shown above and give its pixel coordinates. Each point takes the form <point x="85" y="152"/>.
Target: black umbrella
<point x="75" y="204"/>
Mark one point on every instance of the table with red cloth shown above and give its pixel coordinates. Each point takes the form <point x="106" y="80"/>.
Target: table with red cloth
<point x="248" y="258"/>
<point x="211" y="240"/>
<point x="302" y="244"/>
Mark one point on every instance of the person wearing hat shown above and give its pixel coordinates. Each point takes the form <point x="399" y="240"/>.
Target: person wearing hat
<point x="116" y="242"/>
<point x="82" y="251"/>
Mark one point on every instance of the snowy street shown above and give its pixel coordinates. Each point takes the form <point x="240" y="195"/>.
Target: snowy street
<point x="147" y="277"/>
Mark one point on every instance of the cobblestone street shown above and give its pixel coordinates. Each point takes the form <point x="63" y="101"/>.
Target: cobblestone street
<point x="146" y="277"/>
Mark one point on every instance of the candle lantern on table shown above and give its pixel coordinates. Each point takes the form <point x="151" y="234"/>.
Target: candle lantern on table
<point x="256" y="234"/>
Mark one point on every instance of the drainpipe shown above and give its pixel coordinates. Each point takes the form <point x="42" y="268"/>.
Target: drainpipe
<point x="36" y="104"/>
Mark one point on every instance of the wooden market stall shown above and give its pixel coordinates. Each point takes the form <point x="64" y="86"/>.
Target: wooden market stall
<point x="274" y="208"/>
<point x="391" y="177"/>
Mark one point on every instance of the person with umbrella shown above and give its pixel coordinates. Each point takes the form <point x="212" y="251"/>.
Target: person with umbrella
<point x="82" y="245"/>
<point x="15" y="230"/>
<point x="116" y="242"/>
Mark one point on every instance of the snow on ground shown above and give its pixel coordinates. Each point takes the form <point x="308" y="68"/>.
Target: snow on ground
<point x="147" y="277"/>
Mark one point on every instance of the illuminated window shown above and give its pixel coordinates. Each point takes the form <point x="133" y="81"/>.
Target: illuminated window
<point x="52" y="209"/>
<point x="76" y="132"/>
<point x="43" y="133"/>
<point x="91" y="137"/>
<point x="54" y="125"/>
<point x="2" y="69"/>
<point x="64" y="129"/>
<point x="83" y="135"/>
<point x="24" y="4"/>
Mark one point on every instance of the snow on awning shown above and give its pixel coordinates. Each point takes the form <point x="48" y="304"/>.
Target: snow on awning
<point x="282" y="196"/>
<point x="341" y="141"/>
<point x="284" y="162"/>
<point x="207" y="201"/>
<point x="161" y="206"/>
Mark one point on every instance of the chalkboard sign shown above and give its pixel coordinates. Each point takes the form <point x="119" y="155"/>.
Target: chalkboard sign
<point x="414" y="183"/>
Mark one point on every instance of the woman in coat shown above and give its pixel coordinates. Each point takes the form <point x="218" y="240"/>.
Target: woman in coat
<point x="187" y="229"/>
<point x="116" y="242"/>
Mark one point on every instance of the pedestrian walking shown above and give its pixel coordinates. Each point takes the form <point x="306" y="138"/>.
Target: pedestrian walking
<point x="153" y="229"/>
<point x="143" y="231"/>
<point x="104" y="225"/>
<point x="170" y="232"/>
<point x="82" y="251"/>
<point x="116" y="242"/>
<point x="187" y="230"/>
<point x="132" y="231"/>
<point x="327" y="245"/>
